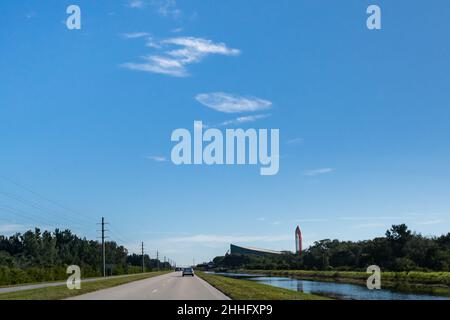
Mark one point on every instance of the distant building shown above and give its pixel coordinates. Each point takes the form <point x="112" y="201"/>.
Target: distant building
<point x="265" y="252"/>
<point x="252" y="251"/>
<point x="298" y="241"/>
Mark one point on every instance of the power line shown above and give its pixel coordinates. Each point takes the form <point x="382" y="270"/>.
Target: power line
<point x="44" y="210"/>
<point x="26" y="215"/>
<point x="116" y="237"/>
<point x="39" y="220"/>
<point x="45" y="198"/>
<point x="121" y="236"/>
<point x="48" y="216"/>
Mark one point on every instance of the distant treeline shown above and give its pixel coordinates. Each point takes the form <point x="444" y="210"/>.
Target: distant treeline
<point x="399" y="250"/>
<point x="37" y="256"/>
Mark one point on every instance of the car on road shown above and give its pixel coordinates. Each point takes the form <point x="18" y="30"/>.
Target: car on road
<point x="188" y="272"/>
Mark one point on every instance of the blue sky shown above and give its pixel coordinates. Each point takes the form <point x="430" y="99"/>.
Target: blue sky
<point x="86" y="117"/>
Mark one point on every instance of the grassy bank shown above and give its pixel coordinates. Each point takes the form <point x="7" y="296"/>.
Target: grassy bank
<point x="437" y="283"/>
<point x="61" y="292"/>
<point x="249" y="290"/>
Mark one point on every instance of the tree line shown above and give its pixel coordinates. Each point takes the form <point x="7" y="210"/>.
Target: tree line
<point x="399" y="250"/>
<point x="36" y="256"/>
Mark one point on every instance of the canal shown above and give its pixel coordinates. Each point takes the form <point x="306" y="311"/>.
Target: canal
<point x="332" y="289"/>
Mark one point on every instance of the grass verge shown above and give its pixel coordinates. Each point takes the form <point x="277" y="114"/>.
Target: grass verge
<point x="61" y="292"/>
<point x="250" y="290"/>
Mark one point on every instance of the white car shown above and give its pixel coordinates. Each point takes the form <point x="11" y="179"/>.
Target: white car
<point x="188" y="272"/>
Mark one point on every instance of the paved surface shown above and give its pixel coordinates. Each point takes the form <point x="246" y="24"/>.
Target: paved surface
<point x="170" y="286"/>
<point x="51" y="284"/>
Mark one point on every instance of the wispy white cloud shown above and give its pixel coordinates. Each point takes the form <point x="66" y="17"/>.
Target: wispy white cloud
<point x="136" y="4"/>
<point x="151" y="43"/>
<point x="194" y="49"/>
<point x="371" y="225"/>
<point x="31" y="14"/>
<point x="312" y="220"/>
<point x="225" y="239"/>
<point x="157" y="158"/>
<point x="245" y="119"/>
<point x="167" y="8"/>
<point x="135" y="35"/>
<point x="431" y="222"/>
<point x="316" y="172"/>
<point x="11" y="228"/>
<point x="177" y="30"/>
<point x="365" y="218"/>
<point x="182" y="52"/>
<point x="157" y="64"/>
<point x="231" y="103"/>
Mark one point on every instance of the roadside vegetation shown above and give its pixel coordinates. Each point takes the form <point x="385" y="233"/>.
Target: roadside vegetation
<point x="249" y="290"/>
<point x="37" y="256"/>
<point x="61" y="292"/>
<point x="409" y="262"/>
<point x="400" y="250"/>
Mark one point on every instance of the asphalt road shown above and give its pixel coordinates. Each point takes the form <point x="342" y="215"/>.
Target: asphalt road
<point x="170" y="286"/>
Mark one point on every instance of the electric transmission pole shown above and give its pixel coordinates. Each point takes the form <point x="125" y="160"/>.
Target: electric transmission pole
<point x="143" y="263"/>
<point x="157" y="258"/>
<point x="103" y="247"/>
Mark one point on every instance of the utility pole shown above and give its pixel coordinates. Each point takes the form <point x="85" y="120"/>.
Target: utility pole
<point x="103" y="247"/>
<point x="157" y="258"/>
<point x="143" y="263"/>
<point x="164" y="265"/>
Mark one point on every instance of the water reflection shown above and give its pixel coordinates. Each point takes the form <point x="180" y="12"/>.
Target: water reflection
<point x="333" y="289"/>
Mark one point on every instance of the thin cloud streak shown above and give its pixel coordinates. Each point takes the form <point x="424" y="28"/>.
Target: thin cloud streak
<point x="11" y="228"/>
<point x="231" y="103"/>
<point x="136" y="4"/>
<point x="226" y="239"/>
<point x="431" y="222"/>
<point x="157" y="158"/>
<point x="316" y="172"/>
<point x="135" y="35"/>
<point x="245" y="119"/>
<point x="182" y="52"/>
<point x="167" y="8"/>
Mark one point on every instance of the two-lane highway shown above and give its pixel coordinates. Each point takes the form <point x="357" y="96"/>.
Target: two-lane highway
<point x="170" y="286"/>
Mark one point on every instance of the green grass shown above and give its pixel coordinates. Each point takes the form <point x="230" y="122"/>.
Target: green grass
<point x="250" y="290"/>
<point x="442" y="278"/>
<point x="436" y="283"/>
<point x="61" y="292"/>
